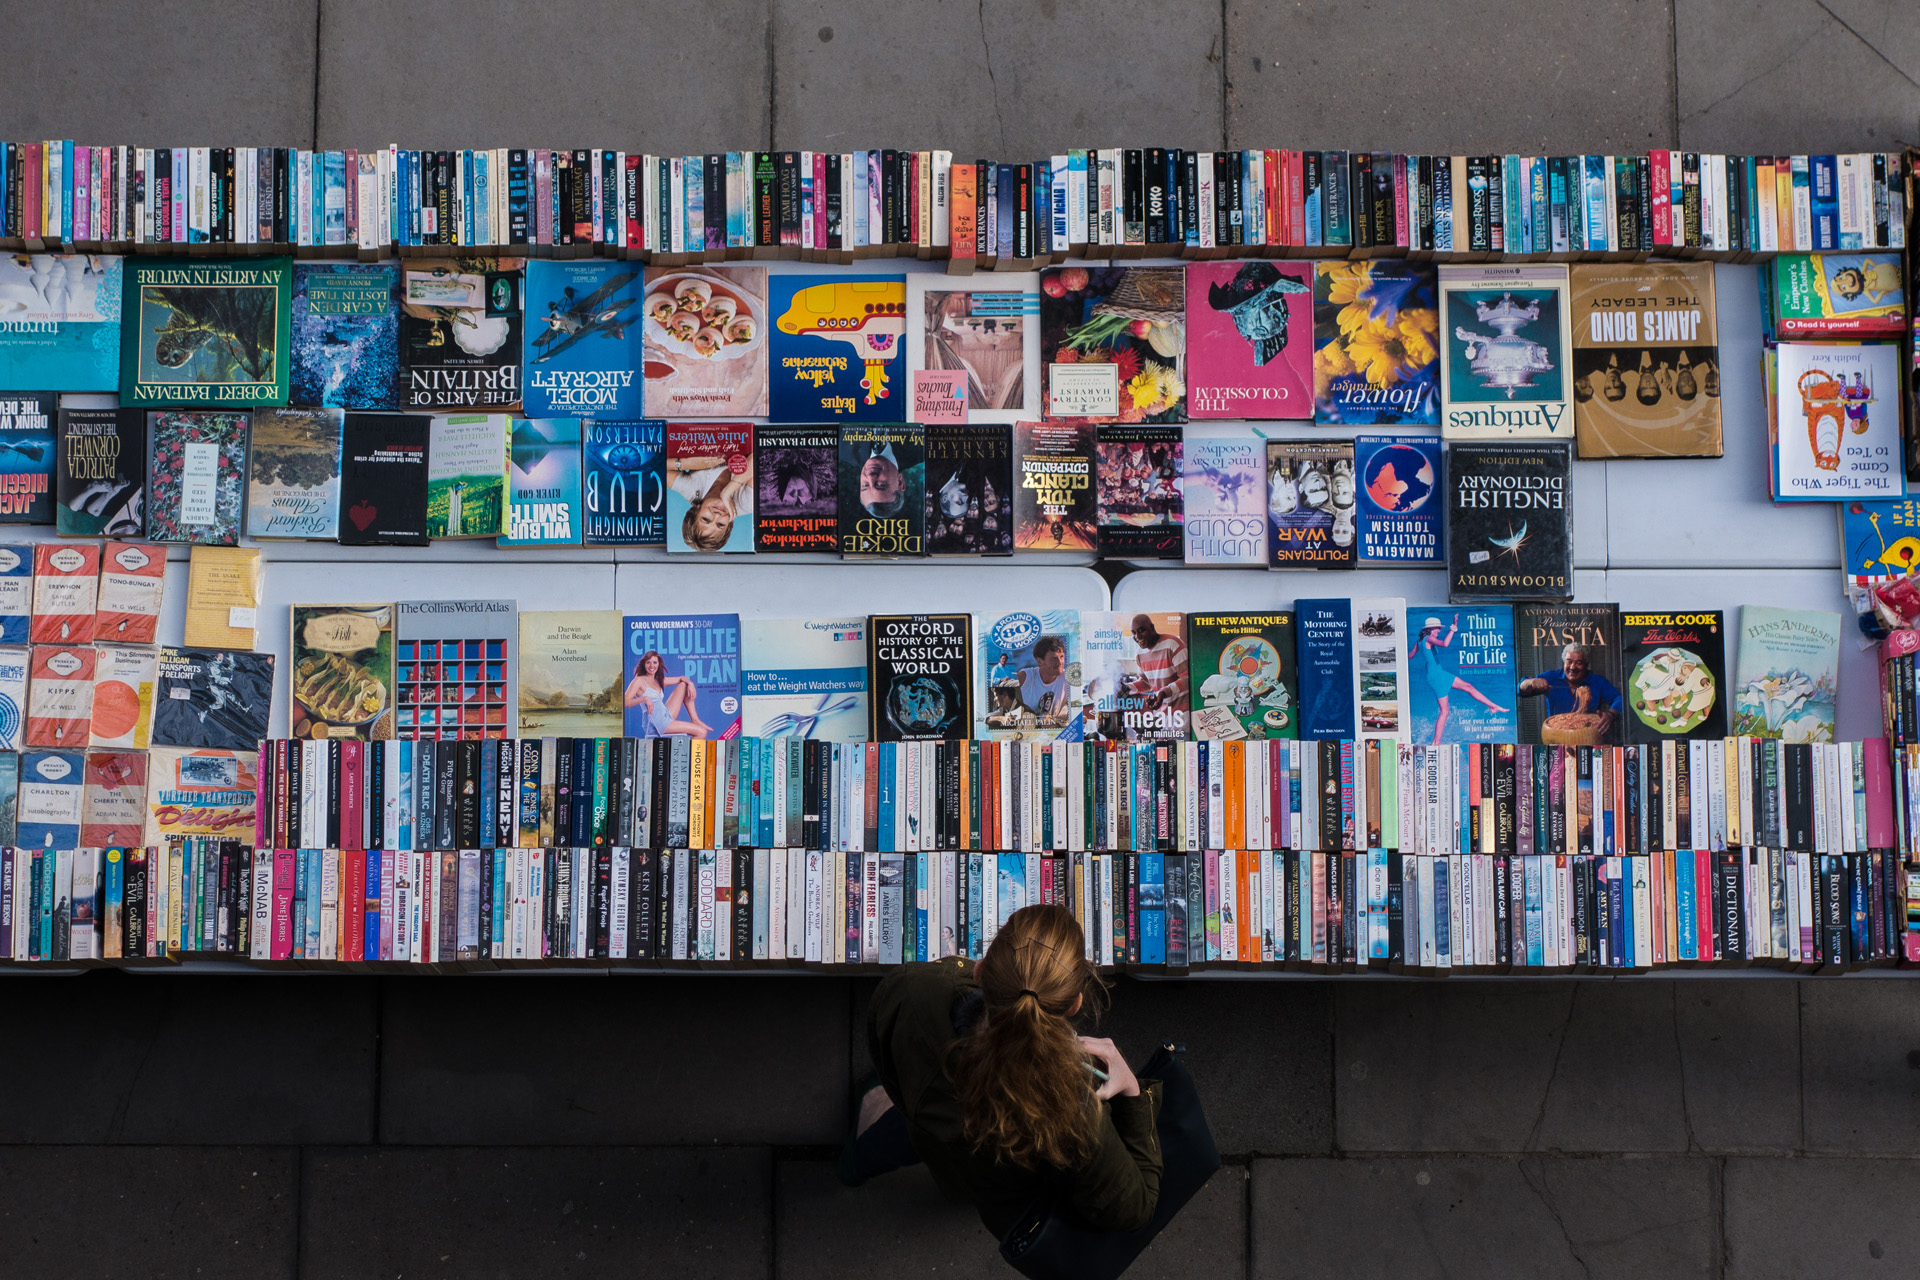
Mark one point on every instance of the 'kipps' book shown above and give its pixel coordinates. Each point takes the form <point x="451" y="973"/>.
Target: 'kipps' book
<point x="1376" y="344"/>
<point x="543" y="483"/>
<point x="920" y="677"/>
<point x="1786" y="672"/>
<point x="295" y="488"/>
<point x="1113" y="343"/>
<point x="969" y="489"/>
<point x="1244" y="683"/>
<point x="212" y="698"/>
<point x="1054" y="506"/>
<point x="1401" y="509"/>
<point x="1646" y="360"/>
<point x="1250" y="340"/>
<point x="341" y="680"/>
<point x="1836" y="428"/>
<point x="681" y="676"/>
<point x="63" y="321"/>
<point x="570" y="674"/>
<point x="1460" y="665"/>
<point x="837" y="347"/>
<point x="196" y="477"/>
<point x="1505" y="342"/>
<point x="27" y="457"/>
<point x="346" y="335"/>
<point x="1224" y="493"/>
<point x="1137" y="485"/>
<point x="1028" y="676"/>
<point x="460" y="334"/>
<point x="101" y="483"/>
<point x="1310" y="503"/>
<point x="383" y="480"/>
<point x="1676" y="665"/>
<point x="882" y="491"/>
<point x="583" y="352"/>
<point x="804" y="678"/>
<point x="1509" y="521"/>
<point x="1568" y="682"/>
<point x="706" y="342"/>
<point x="988" y="331"/>
<point x="797" y="507"/>
<point x="623" y="483"/>
<point x="60" y="696"/>
<point x="1136" y="676"/>
<point x="710" y="486"/>
<point x="467" y="476"/>
<point x="213" y="333"/>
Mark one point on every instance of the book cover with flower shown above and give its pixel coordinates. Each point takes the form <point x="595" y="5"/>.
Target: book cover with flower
<point x="1113" y="343"/>
<point x="196" y="477"/>
<point x="1376" y="350"/>
<point x="1249" y="339"/>
<point x="346" y="335"/>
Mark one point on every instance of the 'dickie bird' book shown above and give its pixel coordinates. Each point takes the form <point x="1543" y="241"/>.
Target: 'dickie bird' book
<point x="1509" y="524"/>
<point x="882" y="491"/>
<point x="804" y="678"/>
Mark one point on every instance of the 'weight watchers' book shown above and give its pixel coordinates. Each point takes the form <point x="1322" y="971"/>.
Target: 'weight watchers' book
<point x="623" y="483"/>
<point x="920" y="678"/>
<point x="681" y="676"/>
<point x="797" y="507"/>
<point x="804" y="678"/>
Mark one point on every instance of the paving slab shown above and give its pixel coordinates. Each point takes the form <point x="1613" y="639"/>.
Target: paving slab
<point x="156" y="1213"/>
<point x="1495" y="77"/>
<point x="473" y="1211"/>
<point x="1543" y="1218"/>
<point x="1860" y="1064"/>
<point x="1808" y="1219"/>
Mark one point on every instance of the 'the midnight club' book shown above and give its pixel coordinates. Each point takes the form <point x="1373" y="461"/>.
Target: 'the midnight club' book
<point x="383" y="480"/>
<point x="101" y="480"/>
<point x="919" y="676"/>
<point x="796" y="469"/>
<point x="623" y="483"/>
<point x="1509" y="521"/>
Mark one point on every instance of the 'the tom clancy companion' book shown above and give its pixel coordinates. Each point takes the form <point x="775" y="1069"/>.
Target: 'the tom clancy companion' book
<point x="1137" y="481"/>
<point x="920" y="676"/>
<point x="1053" y="505"/>
<point x="970" y="489"/>
<point x="1509" y="521"/>
<point x="882" y="490"/>
<point x="1568" y="679"/>
<point x="1505" y="345"/>
<point x="1646" y="360"/>
<point x="797" y="506"/>
<point x="1676" y="667"/>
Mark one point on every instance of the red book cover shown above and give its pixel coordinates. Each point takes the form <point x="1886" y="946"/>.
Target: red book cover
<point x="1273" y="175"/>
<point x="353" y="905"/>
<point x="1658" y="179"/>
<point x="66" y="581"/>
<point x="913" y="197"/>
<point x="1704" y="905"/>
<point x="132" y="585"/>
<point x="60" y="696"/>
<point x="629" y="196"/>
<point x="284" y="865"/>
<point x="352" y="795"/>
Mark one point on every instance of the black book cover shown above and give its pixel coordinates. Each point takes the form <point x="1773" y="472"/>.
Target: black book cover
<point x="742" y="902"/>
<point x="889" y="198"/>
<point x="919" y="676"/>
<point x="1157" y="223"/>
<point x="602" y="904"/>
<point x="1733" y="912"/>
<point x="796" y="504"/>
<point x="579" y="209"/>
<point x="383" y="480"/>
<point x="1360" y="194"/>
<point x="1509" y="521"/>
<point x="212" y="699"/>
<point x="1569" y="674"/>
<point x="563" y="793"/>
<point x="1138" y="505"/>
<point x="519" y="189"/>
<point x="904" y="232"/>
<point x="713" y="173"/>
<point x="467" y="814"/>
<point x="836" y="203"/>
<point x="100" y="478"/>
<point x="1797" y="784"/>
<point x="1381" y="174"/>
<point x="787" y="194"/>
<point x="1675" y="665"/>
<point x="330" y="766"/>
<point x="1023" y="211"/>
<point x="445" y="796"/>
<point x="969" y="489"/>
<point x="881" y="490"/>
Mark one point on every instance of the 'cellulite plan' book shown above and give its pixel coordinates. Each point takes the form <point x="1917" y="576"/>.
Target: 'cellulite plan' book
<point x="920" y="676"/>
<point x="1250" y="340"/>
<point x="1786" y="673"/>
<point x="882" y="491"/>
<point x="543" y="483"/>
<point x="837" y="349"/>
<point x="460" y="334"/>
<point x="706" y="338"/>
<point x="1244" y="680"/>
<point x="804" y="678"/>
<point x="1224" y="492"/>
<point x="623" y="483"/>
<point x="682" y="676"/>
<point x="197" y="473"/>
<point x="346" y="335"/>
<point x="28" y="426"/>
<point x="101" y="483"/>
<point x="1505" y="344"/>
<point x="62" y="326"/>
<point x="210" y="333"/>
<point x="294" y="491"/>
<point x="583" y="348"/>
<point x="1509" y="521"/>
<point x="797" y="506"/>
<point x="383" y="480"/>
<point x="1646" y="360"/>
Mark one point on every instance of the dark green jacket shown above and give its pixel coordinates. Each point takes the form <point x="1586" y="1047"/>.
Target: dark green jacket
<point x="911" y="1026"/>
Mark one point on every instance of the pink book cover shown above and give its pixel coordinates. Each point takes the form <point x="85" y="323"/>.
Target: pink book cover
<point x="819" y="200"/>
<point x="352" y="796"/>
<point x="542" y="196"/>
<point x="1249" y="340"/>
<point x="1657" y="180"/>
<point x="284" y="864"/>
<point x="1879" y="794"/>
<point x="1213" y="903"/>
<point x="263" y="811"/>
<point x="1400" y="201"/>
<point x="387" y="899"/>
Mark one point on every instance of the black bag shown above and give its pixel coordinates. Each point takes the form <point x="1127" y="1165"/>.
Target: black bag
<point x="1045" y="1244"/>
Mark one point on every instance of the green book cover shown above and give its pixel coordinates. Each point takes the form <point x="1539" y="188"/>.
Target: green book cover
<point x="211" y="333"/>
<point x="467" y="475"/>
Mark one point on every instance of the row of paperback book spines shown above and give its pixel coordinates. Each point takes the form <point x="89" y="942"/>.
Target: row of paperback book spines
<point x="1092" y="204"/>
<point x="1069" y="796"/>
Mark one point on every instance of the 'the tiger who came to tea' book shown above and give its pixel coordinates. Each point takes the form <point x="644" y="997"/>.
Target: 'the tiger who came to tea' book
<point x="62" y="325"/>
<point x="1054" y="505"/>
<point x="1401" y="507"/>
<point x="346" y="335"/>
<point x="882" y="491"/>
<point x="1509" y="521"/>
<point x="1836" y="421"/>
<point x="460" y="333"/>
<point x="467" y="475"/>
<point x="1786" y="674"/>
<point x="294" y="490"/>
<point x="710" y="480"/>
<point x="1243" y="680"/>
<point x="681" y="676"/>
<point x="570" y="674"/>
<point x="623" y="483"/>
<point x="1224" y="495"/>
<point x="212" y="333"/>
<point x="1505" y="345"/>
<point x="706" y="337"/>
<point x="1113" y="343"/>
<point x="197" y="473"/>
<point x="920" y="676"/>
<point x="1646" y="360"/>
<point x="1569" y="675"/>
<point x="583" y="340"/>
<point x="1310" y="503"/>
<point x="100" y="484"/>
<point x="1376" y="340"/>
<point x="1250" y="340"/>
<point x="543" y="483"/>
<point x="28" y="427"/>
<point x="1460" y="664"/>
<point x="1676" y="666"/>
<point x="1137" y="486"/>
<point x="969" y="489"/>
<point x="797" y="507"/>
<point x="804" y="678"/>
<point x="837" y="347"/>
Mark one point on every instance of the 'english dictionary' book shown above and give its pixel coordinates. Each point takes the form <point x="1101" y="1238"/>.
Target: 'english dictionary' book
<point x="1509" y="531"/>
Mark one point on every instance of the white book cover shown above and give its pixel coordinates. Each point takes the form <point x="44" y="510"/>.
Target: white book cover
<point x="1836" y="435"/>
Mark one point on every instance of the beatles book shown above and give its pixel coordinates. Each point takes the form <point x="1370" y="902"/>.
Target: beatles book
<point x="985" y="330"/>
<point x="212" y="698"/>
<point x="1509" y="522"/>
<point x="460" y="333"/>
<point x="1137" y="484"/>
<point x="1646" y="360"/>
<point x="1054" y="506"/>
<point x="623" y="483"/>
<point x="583" y="349"/>
<point x="1676" y="665"/>
<point x="1833" y="295"/>
<point x="294" y="491"/>
<point x="1786" y="673"/>
<point x="1250" y="340"/>
<point x="969" y="489"/>
<point x="710" y="486"/>
<point x="383" y="480"/>
<point x="1376" y="344"/>
<point x="100" y="484"/>
<point x="570" y="674"/>
<point x="196" y="477"/>
<point x="882" y="491"/>
<point x="706" y="337"/>
<point x="1401" y="512"/>
<point x="1136" y="679"/>
<point x="1113" y="343"/>
<point x="62" y="325"/>
<point x="836" y="349"/>
<point x="1028" y="676"/>
<point x="1460" y="674"/>
<point x="1505" y="340"/>
<point x="543" y="483"/>
<point x="920" y="676"/>
<point x="1310" y="504"/>
<point x="1836" y="427"/>
<point x="804" y="678"/>
<point x="1224" y="495"/>
<point x="213" y="334"/>
<point x="797" y="507"/>
<point x="1569" y="675"/>
<point x="681" y="676"/>
<point x="1243" y="682"/>
<point x="341" y="681"/>
<point x="467" y="475"/>
<point x="346" y="335"/>
<point x="28" y="427"/>
<point x="457" y="662"/>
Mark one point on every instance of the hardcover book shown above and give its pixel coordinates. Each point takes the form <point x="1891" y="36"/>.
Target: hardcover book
<point x="467" y="475"/>
<point x="583" y="355"/>
<point x="1505" y="343"/>
<point x="706" y="342"/>
<point x="1879" y="541"/>
<point x="1460" y="681"/>
<point x="988" y="331"/>
<point x="455" y="666"/>
<point x="543" y="483"/>
<point x="1113" y="343"/>
<point x="346" y="336"/>
<point x="1137" y="487"/>
<point x="1250" y="340"/>
<point x="460" y="334"/>
<point x="797" y="507"/>
<point x="28" y="425"/>
<point x="383" y="480"/>
<point x="294" y="491"/>
<point x="1137" y="682"/>
<point x="804" y="678"/>
<point x="1676" y="665"/>
<point x="1310" y="504"/>
<point x="60" y="696"/>
<point x="196" y="477"/>
<point x="1509" y="521"/>
<point x="51" y="785"/>
<point x="969" y="489"/>
<point x="1054" y="504"/>
<point x="570" y="674"/>
<point x="681" y="676"/>
<point x="123" y="677"/>
<point x="1570" y="675"/>
<point x="920" y="677"/>
<point x="1223" y="493"/>
<point x="710" y="482"/>
<point x="1836" y="424"/>
<point x="1244" y="680"/>
<point x="882" y="491"/>
<point x="209" y="333"/>
<point x="1376" y="344"/>
<point x="1786" y="674"/>
<point x="197" y="792"/>
<point x="214" y="698"/>
<point x="100" y="485"/>
<point x="1400" y="511"/>
<point x="836" y="347"/>
<point x="1833" y="295"/>
<point x="62" y="326"/>
<point x="1324" y="640"/>
<point x="1028" y="676"/>
<point x="623" y="498"/>
<point x="113" y="805"/>
<point x="133" y="585"/>
<point x="341" y="680"/>
<point x="1646" y="360"/>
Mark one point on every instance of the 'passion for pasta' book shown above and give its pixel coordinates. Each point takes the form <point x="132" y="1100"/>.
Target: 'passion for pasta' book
<point x="1505" y="345"/>
<point x="346" y="335"/>
<point x="1250" y="340"/>
<point x="209" y="333"/>
<point x="706" y="337"/>
<point x="681" y="676"/>
<point x="1569" y="675"/>
<point x="584" y="338"/>
<point x="1376" y="339"/>
<point x="623" y="483"/>
<point x="295" y="488"/>
<point x="836" y="352"/>
<point x="62" y="325"/>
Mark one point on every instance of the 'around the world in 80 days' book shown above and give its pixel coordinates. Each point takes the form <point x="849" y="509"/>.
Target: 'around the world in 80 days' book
<point x="920" y="676"/>
<point x="804" y="678"/>
<point x="1505" y="346"/>
<point x="1509" y="521"/>
<point x="1028" y="677"/>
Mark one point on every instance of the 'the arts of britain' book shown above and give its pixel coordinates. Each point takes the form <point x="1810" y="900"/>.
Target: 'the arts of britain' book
<point x="1569" y="675"/>
<point x="681" y="676"/>
<point x="212" y="698"/>
<point x="836" y="352"/>
<point x="1376" y="339"/>
<point x="1028" y="676"/>
<point x="706" y="342"/>
<point x="211" y="333"/>
<point x="1244" y="680"/>
<point x="294" y="491"/>
<point x="797" y="507"/>
<point x="1310" y="504"/>
<point x="460" y="334"/>
<point x="920" y="677"/>
<point x="543" y="483"/>
<point x="583" y="340"/>
<point x="1505" y="346"/>
<point x="1224" y="494"/>
<point x="1054" y="506"/>
<point x="969" y="489"/>
<point x="1646" y="360"/>
<point x="1250" y="340"/>
<point x="804" y="678"/>
<point x="882" y="491"/>
<point x="62" y="326"/>
<point x="623" y="483"/>
<point x="1135" y="670"/>
<point x="1509" y="521"/>
<point x="1401" y="507"/>
<point x="383" y="480"/>
<point x="341" y="681"/>
<point x="467" y="476"/>
<point x="1676" y="665"/>
<point x="1786" y="674"/>
<point x="346" y="335"/>
<point x="1460" y="673"/>
<point x="28" y="426"/>
<point x="101" y="483"/>
<point x="710" y="483"/>
<point x="196" y="477"/>
<point x="1137" y="482"/>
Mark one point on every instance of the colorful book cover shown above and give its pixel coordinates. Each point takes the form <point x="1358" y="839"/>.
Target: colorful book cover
<point x="1646" y="360"/>
<point x="804" y="678"/>
<point x="113" y="804"/>
<point x="969" y="489"/>
<point x="460" y="333"/>
<point x="1401" y="512"/>
<point x="988" y="331"/>
<point x="1380" y="666"/>
<point x="1460" y="681"/>
<point x="294" y="491"/>
<point x="1505" y="343"/>
<point x="346" y="335"/>
<point x="1509" y="521"/>
<point x="1029" y="681"/>
<point x="49" y="799"/>
<point x="215" y="698"/>
<point x="543" y="483"/>
<point x="133" y="587"/>
<point x="198" y="792"/>
<point x="28" y="426"/>
<point x="62" y="326"/>
<point x="797" y="507"/>
<point x="383" y="480"/>
<point x="681" y="676"/>
<point x="455" y="666"/>
<point x="710" y="482"/>
<point x="1879" y="541"/>
<point x="467" y="475"/>
<point x="1249" y="340"/>
<point x="1223" y="493"/>
<point x="1836" y="428"/>
<point x="1134" y="668"/>
<point x="836" y="352"/>
<point x="1310" y="504"/>
<point x="1676" y="665"/>
<point x="1834" y="295"/>
<point x="9" y="797"/>
<point x="123" y="676"/>
<point x="706" y="342"/>
<point x="1786" y="673"/>
<point x="1570" y="675"/>
<point x="60" y="696"/>
<point x="341" y="678"/>
<point x="15" y="664"/>
<point x="1376" y="340"/>
<point x="882" y="491"/>
<point x="66" y="592"/>
<point x="196" y="477"/>
<point x="209" y="333"/>
<point x="100" y="483"/>
<point x="1245" y="683"/>
<point x="1137" y="486"/>
<point x="623" y="484"/>
<point x="1324" y="640"/>
<point x="920" y="676"/>
<point x="1054" y="503"/>
<point x="570" y="674"/>
<point x="1113" y="343"/>
<point x="583" y="353"/>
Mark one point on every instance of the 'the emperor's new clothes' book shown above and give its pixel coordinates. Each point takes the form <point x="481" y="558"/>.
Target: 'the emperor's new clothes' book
<point x="383" y="479"/>
<point x="210" y="333"/>
<point x="460" y="333"/>
<point x="294" y="490"/>
<point x="101" y="482"/>
<point x="1310" y="503"/>
<point x="62" y="325"/>
<point x="1250" y="340"/>
<point x="1244" y="678"/>
<point x="1676" y="667"/>
<point x="920" y="676"/>
<point x="1137" y="484"/>
<point x="1569" y="675"/>
<point x="882" y="490"/>
<point x="1376" y="339"/>
<point x="28" y="427"/>
<point x="681" y="676"/>
<point x="1646" y="360"/>
<point x="543" y="483"/>
<point x="1786" y="674"/>
<point x="1224" y="494"/>
<point x="969" y="489"/>
<point x="1505" y="346"/>
<point x="346" y="335"/>
<point x="797" y="506"/>
<point x="583" y="346"/>
<point x="837" y="350"/>
<point x="1460" y="664"/>
<point x="197" y="472"/>
<point x="623" y="483"/>
<point x="1509" y="521"/>
<point x="1054" y="506"/>
<point x="804" y="678"/>
<point x="1401" y="507"/>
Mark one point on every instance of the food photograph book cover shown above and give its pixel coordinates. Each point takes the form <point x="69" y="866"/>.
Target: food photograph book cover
<point x="705" y="344"/>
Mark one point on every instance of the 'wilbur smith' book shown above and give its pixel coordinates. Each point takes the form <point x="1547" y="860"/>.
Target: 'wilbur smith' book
<point x="101" y="482"/>
<point x="383" y="480"/>
<point x="460" y="330"/>
<point x="1568" y="679"/>
<point x="969" y="489"/>
<point x="346" y="335"/>
<point x="710" y="486"/>
<point x="1244" y="681"/>
<point x="1676" y="665"/>
<point x="206" y="333"/>
<point x="920" y="676"/>
<point x="294" y="491"/>
<point x="837" y="349"/>
<point x="1786" y="673"/>
<point x="1054" y="506"/>
<point x="623" y="483"/>
<point x="681" y="676"/>
<point x="1224" y="495"/>
<point x="28" y="427"/>
<point x="1376" y="358"/>
<point x="804" y="678"/>
<point x="1310" y="503"/>
<point x="706" y="342"/>
<point x="1646" y="360"/>
<point x="1250" y="340"/>
<point x="1401" y="510"/>
<point x="62" y="325"/>
<point x="1505" y="344"/>
<point x="583" y="346"/>
<point x="882" y="491"/>
<point x="196" y="477"/>
<point x="570" y="674"/>
<point x="1509" y="521"/>
<point x="1137" y="483"/>
<point x="543" y="483"/>
<point x="797" y="507"/>
<point x="1460" y="674"/>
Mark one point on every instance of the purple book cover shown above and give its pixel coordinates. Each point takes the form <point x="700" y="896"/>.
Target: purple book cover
<point x="1250" y="340"/>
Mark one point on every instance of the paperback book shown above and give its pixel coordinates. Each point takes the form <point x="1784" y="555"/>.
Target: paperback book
<point x="207" y="333"/>
<point x="584" y="356"/>
<point x="1505" y="342"/>
<point x="1400" y="512"/>
<point x="383" y="480"/>
<point x="467" y="475"/>
<point x="1570" y="675"/>
<point x="987" y="330"/>
<point x="1054" y="503"/>
<point x="804" y="678"/>
<point x="133" y="584"/>
<point x="1310" y="504"/>
<point x="1137" y="485"/>
<point x="66" y="592"/>
<point x="1833" y="295"/>
<point x="123" y="677"/>
<point x="294" y="491"/>
<point x="797" y="506"/>
<point x="1029" y="676"/>
<point x="710" y="482"/>
<point x="197" y="792"/>
<point x="341" y="679"/>
<point x="1250" y="340"/>
<point x="1509" y="532"/>
<point x="1676" y="665"/>
<point x="113" y="804"/>
<point x="1137" y="682"/>
<point x="51" y="786"/>
<point x="969" y="489"/>
<point x="1223" y="495"/>
<point x="455" y="668"/>
<point x="1786" y="674"/>
<point x="1245" y="683"/>
<point x="682" y="676"/>
<point x="214" y="698"/>
<point x="62" y="327"/>
<point x="16" y="592"/>
<point x="1646" y="360"/>
<point x="1460" y="675"/>
<point x="920" y="676"/>
<point x="28" y="424"/>
<point x="1113" y="343"/>
<point x="346" y="336"/>
<point x="60" y="696"/>
<point x="705" y="346"/>
<point x="836" y="352"/>
<point x="101" y="483"/>
<point x="882" y="485"/>
<point x="196" y="477"/>
<point x="1380" y="666"/>
<point x="623" y="483"/>
<point x="1376" y="344"/>
<point x="543" y="483"/>
<point x="570" y="674"/>
<point x="460" y="334"/>
<point x="1836" y="422"/>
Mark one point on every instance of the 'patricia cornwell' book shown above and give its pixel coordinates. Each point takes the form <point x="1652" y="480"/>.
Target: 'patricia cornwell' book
<point x="706" y="342"/>
<point x="1249" y="340"/>
<point x="1646" y="360"/>
<point x="100" y="484"/>
<point x="346" y="335"/>
<point x="460" y="334"/>
<point x="797" y="507"/>
<point x="214" y="334"/>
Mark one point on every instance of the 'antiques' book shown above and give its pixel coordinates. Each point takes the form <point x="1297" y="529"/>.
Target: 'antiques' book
<point x="1505" y="343"/>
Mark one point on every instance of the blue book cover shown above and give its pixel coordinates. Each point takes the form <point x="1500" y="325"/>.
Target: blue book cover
<point x="48" y="800"/>
<point x="1400" y="508"/>
<point x="1153" y="908"/>
<point x="889" y="762"/>
<point x="61" y="329"/>
<point x="543" y="483"/>
<point x="1823" y="201"/>
<point x="1593" y="231"/>
<point x="346" y="336"/>
<point x="16" y="605"/>
<point x="835" y="352"/>
<point x="682" y="676"/>
<point x="28" y="424"/>
<point x="804" y="678"/>
<point x="1011" y="883"/>
<point x="1536" y="954"/>
<point x="1323" y="639"/>
<point x="1460" y="674"/>
<point x="583" y="350"/>
<point x="1686" y="925"/>
<point x="334" y="204"/>
<point x="623" y="485"/>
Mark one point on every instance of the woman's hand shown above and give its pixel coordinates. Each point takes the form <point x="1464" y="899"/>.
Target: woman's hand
<point x="1120" y="1081"/>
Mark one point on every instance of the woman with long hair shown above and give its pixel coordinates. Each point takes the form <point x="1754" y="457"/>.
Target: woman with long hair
<point x="671" y="701"/>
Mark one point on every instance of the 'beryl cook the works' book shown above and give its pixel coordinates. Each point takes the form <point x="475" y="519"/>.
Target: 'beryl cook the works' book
<point x="206" y="333"/>
<point x="584" y="338"/>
